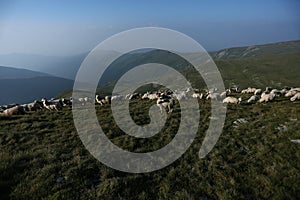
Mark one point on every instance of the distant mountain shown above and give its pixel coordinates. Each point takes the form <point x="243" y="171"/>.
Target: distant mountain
<point x="15" y="73"/>
<point x="257" y="50"/>
<point x="60" y="66"/>
<point x="67" y="66"/>
<point x="128" y="61"/>
<point x="22" y="86"/>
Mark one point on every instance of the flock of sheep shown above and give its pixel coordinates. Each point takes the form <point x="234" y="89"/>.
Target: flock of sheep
<point x="164" y="99"/>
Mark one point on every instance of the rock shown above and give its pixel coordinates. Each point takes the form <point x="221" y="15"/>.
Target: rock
<point x="239" y="121"/>
<point x="296" y="141"/>
<point x="282" y="127"/>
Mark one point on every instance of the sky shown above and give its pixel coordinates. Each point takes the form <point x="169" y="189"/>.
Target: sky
<point x="74" y="27"/>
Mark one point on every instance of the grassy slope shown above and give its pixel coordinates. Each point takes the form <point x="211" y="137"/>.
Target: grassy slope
<point x="41" y="156"/>
<point x="274" y="70"/>
<point x="258" y="50"/>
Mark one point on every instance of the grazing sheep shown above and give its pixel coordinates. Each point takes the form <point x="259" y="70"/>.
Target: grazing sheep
<point x="213" y="96"/>
<point x="292" y="92"/>
<point x="103" y="100"/>
<point x="268" y="89"/>
<point x="166" y="103"/>
<point x="117" y="97"/>
<point x="295" y="97"/>
<point x="51" y="105"/>
<point x="258" y="91"/>
<point x="266" y="97"/>
<point x="232" y="100"/>
<point x="253" y="98"/>
<point x="233" y="90"/>
<point x="196" y="95"/>
<point x="276" y="92"/>
<point x="9" y="106"/>
<point x="16" y="110"/>
<point x="248" y="90"/>
<point x="133" y="96"/>
<point x="180" y="95"/>
<point x="66" y="102"/>
<point x="223" y="94"/>
<point x="149" y="96"/>
<point x="36" y="105"/>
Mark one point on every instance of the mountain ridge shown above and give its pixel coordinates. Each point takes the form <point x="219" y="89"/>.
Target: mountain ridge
<point x="257" y="50"/>
<point x="67" y="66"/>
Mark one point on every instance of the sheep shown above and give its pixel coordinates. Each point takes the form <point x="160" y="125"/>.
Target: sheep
<point x="196" y="95"/>
<point x="180" y="95"/>
<point x="233" y="90"/>
<point x="167" y="103"/>
<point x="102" y="101"/>
<point x="268" y="89"/>
<point x="266" y="97"/>
<point x="66" y="102"/>
<point x="117" y="97"/>
<point x="213" y="96"/>
<point x="16" y="110"/>
<point x="51" y="105"/>
<point x="9" y="105"/>
<point x="276" y="92"/>
<point x="132" y="96"/>
<point x="258" y="91"/>
<point x="292" y="92"/>
<point x="149" y="96"/>
<point x="189" y="90"/>
<point x="232" y="100"/>
<point x="223" y="94"/>
<point x="34" y="106"/>
<point x="295" y="97"/>
<point x="248" y="90"/>
<point x="253" y="98"/>
<point x="283" y="91"/>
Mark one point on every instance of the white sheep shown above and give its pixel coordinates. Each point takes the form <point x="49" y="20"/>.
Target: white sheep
<point x="180" y="95"/>
<point x="166" y="103"/>
<point x="149" y="96"/>
<point x="103" y="100"/>
<point x="295" y="97"/>
<point x="117" y="97"/>
<point x="292" y="92"/>
<point x="213" y="96"/>
<point x="51" y="105"/>
<point x="16" y="110"/>
<point x="196" y="95"/>
<point x="248" y="90"/>
<point x="258" y="91"/>
<point x="232" y="100"/>
<point x="223" y="94"/>
<point x="253" y="98"/>
<point x="266" y="97"/>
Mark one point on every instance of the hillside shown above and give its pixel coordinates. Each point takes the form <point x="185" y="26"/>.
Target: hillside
<point x="257" y="50"/>
<point x="67" y="66"/>
<point x="42" y="157"/>
<point x="15" y="73"/>
<point x="273" y="70"/>
<point x="59" y="66"/>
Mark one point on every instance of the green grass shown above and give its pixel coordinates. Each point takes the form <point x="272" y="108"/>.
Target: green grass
<point x="273" y="70"/>
<point x="42" y="157"/>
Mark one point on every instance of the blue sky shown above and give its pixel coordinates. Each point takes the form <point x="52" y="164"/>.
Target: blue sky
<point x="73" y="27"/>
